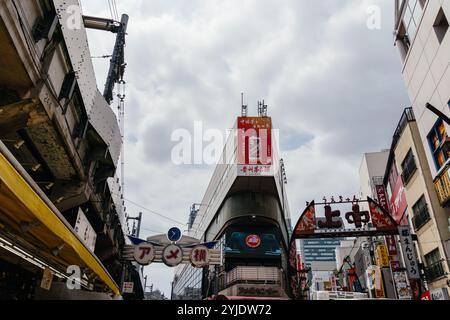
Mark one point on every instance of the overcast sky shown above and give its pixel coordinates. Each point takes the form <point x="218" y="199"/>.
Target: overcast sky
<point x="333" y="87"/>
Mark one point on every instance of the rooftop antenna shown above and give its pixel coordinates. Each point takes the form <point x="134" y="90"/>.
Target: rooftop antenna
<point x="262" y="109"/>
<point x="244" y="108"/>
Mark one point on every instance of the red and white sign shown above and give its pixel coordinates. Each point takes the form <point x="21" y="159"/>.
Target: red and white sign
<point x="382" y="197"/>
<point x="200" y="257"/>
<point x="144" y="254"/>
<point x="398" y="203"/>
<point x="128" y="287"/>
<point x="255" y="154"/>
<point x="253" y="241"/>
<point x="172" y="255"/>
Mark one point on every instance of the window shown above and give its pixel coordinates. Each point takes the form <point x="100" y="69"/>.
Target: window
<point x="412" y="17"/>
<point x="409" y="167"/>
<point x="421" y="214"/>
<point x="435" y="269"/>
<point x="437" y="139"/>
<point x="404" y="39"/>
<point x="441" y="25"/>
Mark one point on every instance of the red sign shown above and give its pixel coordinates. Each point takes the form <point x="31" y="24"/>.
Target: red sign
<point x="253" y="241"/>
<point x="398" y="203"/>
<point x="392" y="245"/>
<point x="254" y="141"/>
<point x="382" y="197"/>
<point x="309" y="226"/>
<point x="426" y="296"/>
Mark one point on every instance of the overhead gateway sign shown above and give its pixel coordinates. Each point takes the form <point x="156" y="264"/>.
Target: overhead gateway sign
<point x="375" y="222"/>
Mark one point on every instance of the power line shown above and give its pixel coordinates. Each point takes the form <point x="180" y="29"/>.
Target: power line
<point x="155" y="213"/>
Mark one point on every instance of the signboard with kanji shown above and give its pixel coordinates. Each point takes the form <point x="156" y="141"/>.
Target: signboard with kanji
<point x="128" y="287"/>
<point x="374" y="222"/>
<point x="254" y="146"/>
<point x="409" y="252"/>
<point x="200" y="257"/>
<point x="382" y="256"/>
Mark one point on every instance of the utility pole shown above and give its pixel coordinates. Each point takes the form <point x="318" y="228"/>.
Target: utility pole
<point x="136" y="231"/>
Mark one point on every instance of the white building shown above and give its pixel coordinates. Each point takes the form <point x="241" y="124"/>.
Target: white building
<point x="423" y="40"/>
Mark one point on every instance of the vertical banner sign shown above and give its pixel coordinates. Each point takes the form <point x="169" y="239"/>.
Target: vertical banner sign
<point x="255" y="154"/>
<point x="409" y="252"/>
<point x="382" y="256"/>
<point x="398" y="203"/>
<point x="383" y="201"/>
<point x="382" y="197"/>
<point x="392" y="246"/>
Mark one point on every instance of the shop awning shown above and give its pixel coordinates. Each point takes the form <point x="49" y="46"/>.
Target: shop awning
<point x="26" y="212"/>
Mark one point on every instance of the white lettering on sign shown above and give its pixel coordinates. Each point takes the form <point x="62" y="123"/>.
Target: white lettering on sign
<point x="144" y="254"/>
<point x="172" y="255"/>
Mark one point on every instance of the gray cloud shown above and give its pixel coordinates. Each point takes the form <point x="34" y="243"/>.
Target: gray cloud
<point x="333" y="87"/>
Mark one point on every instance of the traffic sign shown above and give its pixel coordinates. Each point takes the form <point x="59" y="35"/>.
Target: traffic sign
<point x="172" y="255"/>
<point x="174" y="235"/>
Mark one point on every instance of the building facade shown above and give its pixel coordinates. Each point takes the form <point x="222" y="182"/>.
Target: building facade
<point x="318" y="250"/>
<point x="61" y="204"/>
<point x="409" y="184"/>
<point x="245" y="210"/>
<point x="423" y="40"/>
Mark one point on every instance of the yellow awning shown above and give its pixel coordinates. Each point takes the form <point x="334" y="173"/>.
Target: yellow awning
<point x="19" y="203"/>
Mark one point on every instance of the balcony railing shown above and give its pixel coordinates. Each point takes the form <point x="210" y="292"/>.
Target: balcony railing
<point x="435" y="271"/>
<point x="253" y="275"/>
<point x="421" y="219"/>
<point x="442" y="186"/>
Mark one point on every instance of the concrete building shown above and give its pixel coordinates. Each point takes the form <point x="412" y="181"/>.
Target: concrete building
<point x="244" y="209"/>
<point x="422" y="210"/>
<point x="423" y="40"/>
<point x="318" y="250"/>
<point x="371" y="172"/>
<point x="60" y="202"/>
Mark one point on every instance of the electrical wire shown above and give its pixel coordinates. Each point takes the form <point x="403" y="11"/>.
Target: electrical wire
<point x="155" y="213"/>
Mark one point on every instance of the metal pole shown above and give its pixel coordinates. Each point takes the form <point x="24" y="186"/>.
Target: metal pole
<point x="139" y="225"/>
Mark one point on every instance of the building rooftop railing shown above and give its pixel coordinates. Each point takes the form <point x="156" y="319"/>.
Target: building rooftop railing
<point x="253" y="275"/>
<point x="407" y="117"/>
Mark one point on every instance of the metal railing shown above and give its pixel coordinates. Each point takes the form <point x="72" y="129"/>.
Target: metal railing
<point x="264" y="275"/>
<point x="435" y="271"/>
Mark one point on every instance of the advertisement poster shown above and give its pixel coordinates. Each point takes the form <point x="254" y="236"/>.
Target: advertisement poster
<point x="375" y="281"/>
<point x="402" y="285"/>
<point x="254" y="150"/>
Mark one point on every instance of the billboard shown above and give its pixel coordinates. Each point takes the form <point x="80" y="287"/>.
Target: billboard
<point x="254" y="146"/>
<point x="398" y="204"/>
<point x="252" y="243"/>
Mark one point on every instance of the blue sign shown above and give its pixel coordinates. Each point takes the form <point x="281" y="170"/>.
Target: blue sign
<point x="174" y="235"/>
